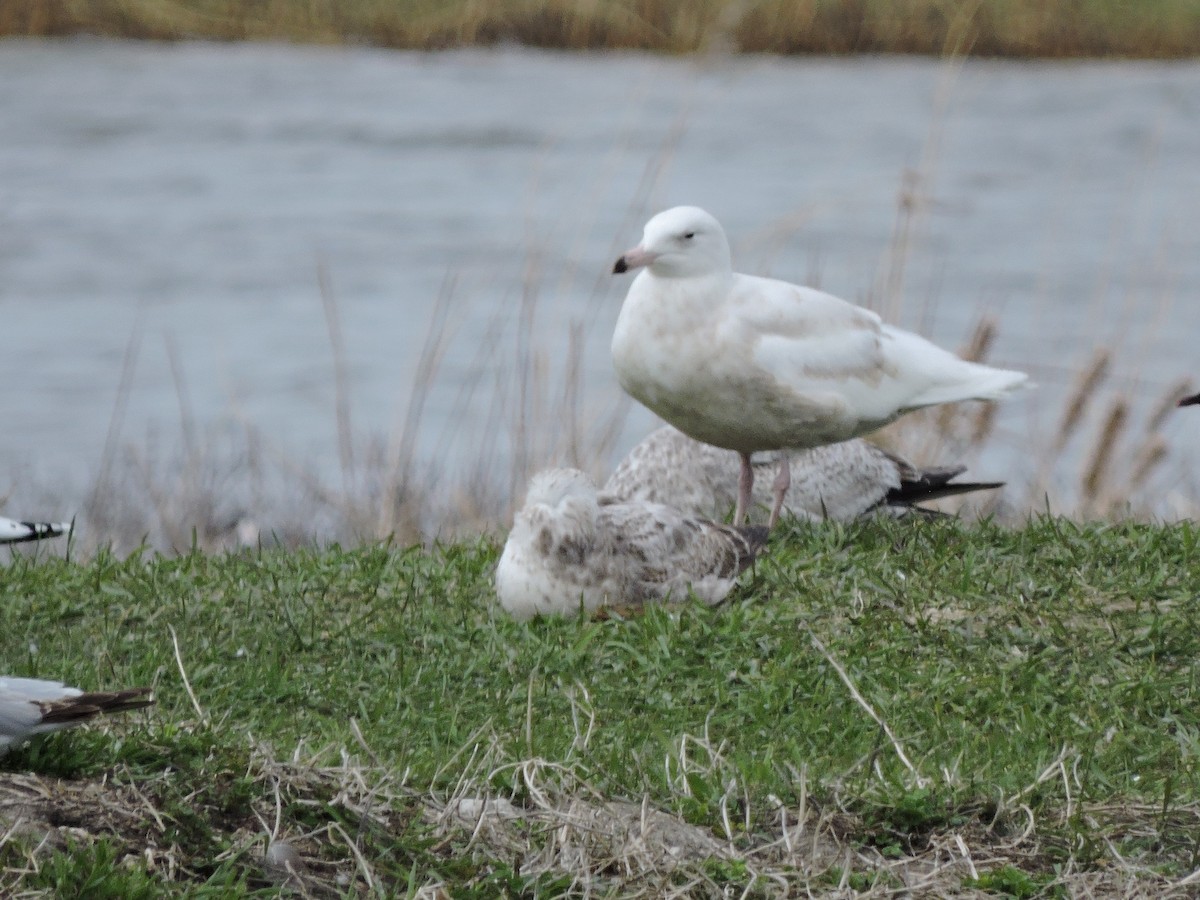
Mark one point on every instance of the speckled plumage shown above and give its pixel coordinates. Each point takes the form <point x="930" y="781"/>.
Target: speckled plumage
<point x="571" y="549"/>
<point x="30" y="706"/>
<point x="838" y="481"/>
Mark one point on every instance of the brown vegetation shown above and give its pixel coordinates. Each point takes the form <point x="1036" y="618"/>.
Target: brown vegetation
<point x="1007" y="28"/>
<point x="565" y="830"/>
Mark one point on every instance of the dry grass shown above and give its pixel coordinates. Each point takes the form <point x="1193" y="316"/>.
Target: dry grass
<point x="329" y="831"/>
<point x="1015" y="28"/>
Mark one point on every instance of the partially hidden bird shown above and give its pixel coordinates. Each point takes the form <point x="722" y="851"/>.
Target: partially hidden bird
<point x="572" y="549"/>
<point x="32" y="706"/>
<point x="839" y="481"/>
<point x="15" y="532"/>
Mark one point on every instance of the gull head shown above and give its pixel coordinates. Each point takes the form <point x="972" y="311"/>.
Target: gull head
<point x="566" y="498"/>
<point x="682" y="242"/>
<point x="551" y="487"/>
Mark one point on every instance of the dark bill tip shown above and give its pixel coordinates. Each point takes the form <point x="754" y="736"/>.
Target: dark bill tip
<point x="620" y="266"/>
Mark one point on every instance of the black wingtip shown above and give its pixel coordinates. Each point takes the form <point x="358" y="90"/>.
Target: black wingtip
<point x="1193" y="400"/>
<point x="94" y="703"/>
<point x="620" y="266"/>
<point x="38" y="531"/>
<point x="912" y="492"/>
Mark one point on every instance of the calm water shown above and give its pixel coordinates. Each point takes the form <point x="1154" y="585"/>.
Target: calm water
<point x="185" y="197"/>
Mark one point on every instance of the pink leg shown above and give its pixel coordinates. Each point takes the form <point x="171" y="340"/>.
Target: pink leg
<point x="783" y="480"/>
<point x="745" y="490"/>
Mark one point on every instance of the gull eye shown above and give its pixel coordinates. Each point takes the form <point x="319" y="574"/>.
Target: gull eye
<point x="688" y="235"/>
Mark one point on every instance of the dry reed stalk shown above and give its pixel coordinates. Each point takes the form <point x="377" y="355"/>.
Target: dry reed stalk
<point x="1154" y="451"/>
<point x="981" y="341"/>
<point x="976" y="350"/>
<point x="1168" y="403"/>
<point x="1084" y="388"/>
<point x="984" y="424"/>
<point x="398" y="483"/>
<point x="1095" y="487"/>
<point x="92" y="507"/>
<point x="1152" y="454"/>
<point x="337" y="345"/>
<point x="909" y="203"/>
<point x="187" y="419"/>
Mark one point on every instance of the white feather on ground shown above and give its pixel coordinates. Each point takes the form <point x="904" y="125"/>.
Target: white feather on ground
<point x="14" y="532"/>
<point x="838" y="481"/>
<point x="752" y="364"/>
<point x="31" y="706"/>
<point x="571" y="549"/>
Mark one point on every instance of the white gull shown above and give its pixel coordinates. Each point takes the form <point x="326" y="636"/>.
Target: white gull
<point x="14" y="532"/>
<point x="571" y="548"/>
<point x="750" y="364"/>
<point x="30" y="706"/>
<point x="838" y="481"/>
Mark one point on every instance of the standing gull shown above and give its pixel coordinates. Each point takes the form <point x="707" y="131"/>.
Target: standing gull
<point x="572" y="549"/>
<point x="14" y="532"/>
<point x="750" y="364"/>
<point x="30" y="706"/>
<point x="837" y="481"/>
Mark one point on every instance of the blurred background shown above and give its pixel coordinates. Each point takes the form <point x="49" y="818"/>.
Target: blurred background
<point x="306" y="272"/>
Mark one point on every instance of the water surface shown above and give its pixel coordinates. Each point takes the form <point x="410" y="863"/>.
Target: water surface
<point x="186" y="196"/>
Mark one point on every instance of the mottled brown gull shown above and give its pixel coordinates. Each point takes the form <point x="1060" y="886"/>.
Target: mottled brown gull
<point x="30" y="706"/>
<point x="571" y="549"/>
<point x="838" y="481"/>
<point x="750" y="364"/>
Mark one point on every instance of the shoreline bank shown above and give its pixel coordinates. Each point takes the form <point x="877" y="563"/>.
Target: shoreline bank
<point x="1022" y="29"/>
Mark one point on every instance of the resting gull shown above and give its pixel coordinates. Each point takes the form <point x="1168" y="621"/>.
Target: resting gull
<point x="750" y="364"/>
<point x="14" y="532"/>
<point x="571" y="548"/>
<point x="838" y="481"/>
<point x="30" y="706"/>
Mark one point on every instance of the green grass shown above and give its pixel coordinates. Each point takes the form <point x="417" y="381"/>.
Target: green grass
<point x="1040" y="682"/>
<point x="1019" y="28"/>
